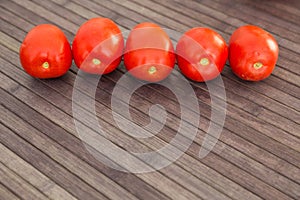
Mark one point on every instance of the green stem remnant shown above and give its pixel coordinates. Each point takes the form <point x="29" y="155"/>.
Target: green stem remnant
<point x="96" y="61"/>
<point x="45" y="65"/>
<point x="152" y="70"/>
<point x="204" y="61"/>
<point x="257" y="65"/>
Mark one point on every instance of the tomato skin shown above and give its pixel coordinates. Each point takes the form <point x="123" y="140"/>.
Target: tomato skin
<point x="201" y="54"/>
<point x="149" y="53"/>
<point x="253" y="53"/>
<point x="98" y="46"/>
<point x="45" y="52"/>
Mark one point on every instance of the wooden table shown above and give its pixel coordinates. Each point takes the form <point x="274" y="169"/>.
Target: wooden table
<point x="256" y="157"/>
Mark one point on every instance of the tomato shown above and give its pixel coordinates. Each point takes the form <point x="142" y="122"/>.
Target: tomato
<point x="253" y="53"/>
<point x="46" y="52"/>
<point x="98" y="46"/>
<point x="149" y="53"/>
<point x="201" y="54"/>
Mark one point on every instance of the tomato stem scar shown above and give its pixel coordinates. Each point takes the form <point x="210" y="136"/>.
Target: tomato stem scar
<point x="204" y="61"/>
<point x="257" y="65"/>
<point x="45" y="65"/>
<point x="96" y="61"/>
<point x="152" y="70"/>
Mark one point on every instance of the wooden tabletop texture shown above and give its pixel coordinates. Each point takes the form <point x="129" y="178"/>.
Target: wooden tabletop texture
<point x="257" y="155"/>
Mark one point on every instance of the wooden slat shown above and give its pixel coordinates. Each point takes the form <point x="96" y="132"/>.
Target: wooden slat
<point x="226" y="189"/>
<point x="132" y="13"/>
<point x="291" y="15"/>
<point x="72" y="128"/>
<point x="47" y="15"/>
<point x="160" y="18"/>
<point x="77" y="7"/>
<point x="16" y="183"/>
<point x="128" y="181"/>
<point x="67" y="91"/>
<point x="48" y="95"/>
<point x="293" y="101"/>
<point x="252" y="11"/>
<point x="16" y="21"/>
<point x="73" y="12"/>
<point x="189" y="22"/>
<point x="7" y="194"/>
<point x="283" y="110"/>
<point x="50" y="5"/>
<point x="284" y="86"/>
<point x="287" y="8"/>
<point x="290" y="55"/>
<point x="279" y="84"/>
<point x="259" y="158"/>
<point x="211" y="11"/>
<point x="103" y="10"/>
<point x="98" y="97"/>
<point x="61" y="2"/>
<point x="57" y="117"/>
<point x="135" y="101"/>
<point x="233" y="21"/>
<point x="296" y="115"/>
<point x="9" y="41"/>
<point x="88" y="174"/>
<point x="47" y="166"/>
<point x="23" y="13"/>
<point x="15" y="33"/>
<point x="32" y="175"/>
<point x="193" y="14"/>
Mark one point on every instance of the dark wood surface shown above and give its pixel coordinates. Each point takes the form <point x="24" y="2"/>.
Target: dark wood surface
<point x="257" y="155"/>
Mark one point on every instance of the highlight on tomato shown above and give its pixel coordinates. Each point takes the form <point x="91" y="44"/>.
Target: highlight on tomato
<point x="253" y="53"/>
<point x="149" y="53"/>
<point x="98" y="46"/>
<point x="201" y="54"/>
<point x="45" y="52"/>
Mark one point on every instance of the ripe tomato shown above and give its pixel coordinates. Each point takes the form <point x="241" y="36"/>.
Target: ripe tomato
<point x="201" y="54"/>
<point x="46" y="52"/>
<point x="98" y="46"/>
<point x="253" y="53"/>
<point x="149" y="53"/>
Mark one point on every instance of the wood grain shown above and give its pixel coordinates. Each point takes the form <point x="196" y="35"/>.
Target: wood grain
<point x="48" y="95"/>
<point x="256" y="157"/>
<point x="32" y="175"/>
<point x="17" y="184"/>
<point x="7" y="194"/>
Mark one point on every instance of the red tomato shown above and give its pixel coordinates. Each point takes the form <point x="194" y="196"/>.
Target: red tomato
<point x="201" y="54"/>
<point x="46" y="52"/>
<point x="253" y="53"/>
<point x="149" y="53"/>
<point x="98" y="46"/>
